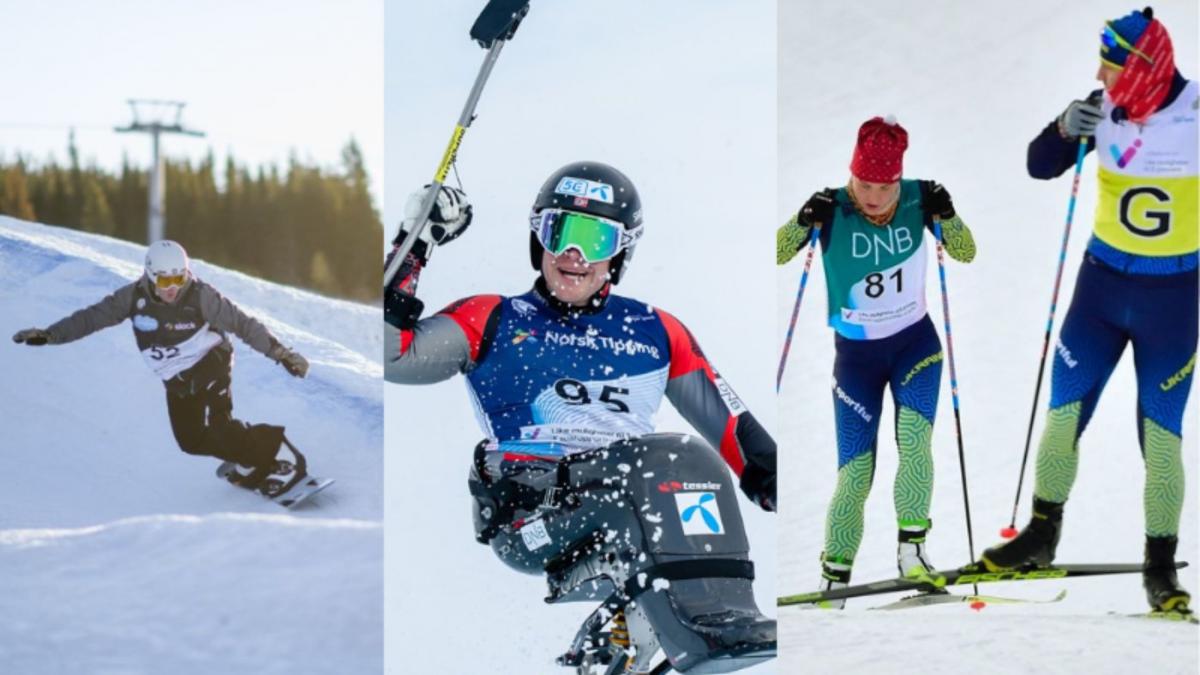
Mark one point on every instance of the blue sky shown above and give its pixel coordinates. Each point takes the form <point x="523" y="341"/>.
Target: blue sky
<point x="261" y="78"/>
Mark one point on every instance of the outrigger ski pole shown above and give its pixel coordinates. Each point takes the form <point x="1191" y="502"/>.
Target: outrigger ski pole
<point x="497" y="24"/>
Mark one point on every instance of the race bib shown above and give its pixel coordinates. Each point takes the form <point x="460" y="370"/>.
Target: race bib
<point x="884" y="302"/>
<point x="1148" y="180"/>
<point x="169" y="361"/>
<point x="577" y="415"/>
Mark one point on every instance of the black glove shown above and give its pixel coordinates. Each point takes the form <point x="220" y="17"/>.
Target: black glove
<point x="818" y="210"/>
<point x="935" y="201"/>
<point x="34" y="337"/>
<point x="401" y="309"/>
<point x="759" y="485"/>
<point x="292" y="361"/>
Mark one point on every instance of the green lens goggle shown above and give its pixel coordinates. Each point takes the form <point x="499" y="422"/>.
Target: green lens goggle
<point x="597" y="239"/>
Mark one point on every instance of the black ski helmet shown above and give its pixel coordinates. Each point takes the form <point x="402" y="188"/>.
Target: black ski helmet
<point x="596" y="189"/>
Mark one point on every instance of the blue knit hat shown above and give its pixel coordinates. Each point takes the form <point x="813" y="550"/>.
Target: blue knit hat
<point x="1130" y="27"/>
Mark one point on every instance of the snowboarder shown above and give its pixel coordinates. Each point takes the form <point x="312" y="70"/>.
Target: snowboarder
<point x="180" y="325"/>
<point x="571" y="480"/>
<point x="874" y="256"/>
<point x="1137" y="284"/>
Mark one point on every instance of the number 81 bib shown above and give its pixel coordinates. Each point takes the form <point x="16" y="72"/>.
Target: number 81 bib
<point x="875" y="275"/>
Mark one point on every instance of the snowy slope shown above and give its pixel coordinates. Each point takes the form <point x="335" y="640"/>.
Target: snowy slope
<point x="123" y="554"/>
<point x="680" y="96"/>
<point x="973" y="83"/>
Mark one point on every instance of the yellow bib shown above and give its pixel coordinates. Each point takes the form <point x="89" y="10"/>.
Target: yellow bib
<point x="1149" y="181"/>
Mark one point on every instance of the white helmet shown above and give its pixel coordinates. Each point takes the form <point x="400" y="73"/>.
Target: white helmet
<point x="168" y="260"/>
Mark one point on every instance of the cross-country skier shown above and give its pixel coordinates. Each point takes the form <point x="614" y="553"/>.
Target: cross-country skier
<point x="874" y="255"/>
<point x="572" y="480"/>
<point x="1137" y="284"/>
<point x="180" y="325"/>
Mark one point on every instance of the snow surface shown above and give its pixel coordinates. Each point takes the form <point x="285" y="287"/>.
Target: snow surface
<point x="121" y="553"/>
<point x="972" y="83"/>
<point x="679" y="96"/>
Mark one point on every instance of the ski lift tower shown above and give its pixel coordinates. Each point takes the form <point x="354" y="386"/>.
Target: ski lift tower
<point x="158" y="117"/>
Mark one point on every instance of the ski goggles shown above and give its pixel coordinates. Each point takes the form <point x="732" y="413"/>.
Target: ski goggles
<point x="1111" y="39"/>
<point x="597" y="239"/>
<point x="165" y="281"/>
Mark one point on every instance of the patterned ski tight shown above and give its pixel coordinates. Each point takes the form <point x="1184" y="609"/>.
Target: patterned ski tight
<point x="1157" y="315"/>
<point x="910" y="364"/>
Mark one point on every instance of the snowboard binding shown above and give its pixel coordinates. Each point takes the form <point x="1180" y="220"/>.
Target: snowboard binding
<point x="288" y="468"/>
<point x="284" y="480"/>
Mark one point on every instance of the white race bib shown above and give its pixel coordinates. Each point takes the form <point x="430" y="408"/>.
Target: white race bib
<point x="888" y="301"/>
<point x="167" y="362"/>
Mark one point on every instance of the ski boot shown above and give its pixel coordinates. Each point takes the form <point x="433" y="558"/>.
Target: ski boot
<point x="913" y="561"/>
<point x="1034" y="546"/>
<point x="1163" y="591"/>
<point x="834" y="574"/>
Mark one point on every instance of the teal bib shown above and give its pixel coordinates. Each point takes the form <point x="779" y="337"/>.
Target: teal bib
<point x="875" y="275"/>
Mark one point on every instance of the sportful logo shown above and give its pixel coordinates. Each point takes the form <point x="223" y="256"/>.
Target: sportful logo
<point x="1123" y="158"/>
<point x="1065" y="354"/>
<point x="699" y="513"/>
<point x="851" y="403"/>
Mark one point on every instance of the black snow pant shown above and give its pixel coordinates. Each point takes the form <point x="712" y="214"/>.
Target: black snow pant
<point x="200" y="406"/>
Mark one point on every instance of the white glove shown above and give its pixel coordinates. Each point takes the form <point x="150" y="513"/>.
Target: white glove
<point x="450" y="216"/>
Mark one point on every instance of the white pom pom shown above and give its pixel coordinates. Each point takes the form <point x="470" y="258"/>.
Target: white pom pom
<point x="890" y="120"/>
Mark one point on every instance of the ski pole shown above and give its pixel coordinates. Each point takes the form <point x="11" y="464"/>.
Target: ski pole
<point x="496" y="24"/>
<point x="1011" y="531"/>
<point x="962" y="462"/>
<point x="787" y="342"/>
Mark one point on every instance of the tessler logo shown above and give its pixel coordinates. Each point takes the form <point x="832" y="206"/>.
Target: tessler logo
<point x="699" y="513"/>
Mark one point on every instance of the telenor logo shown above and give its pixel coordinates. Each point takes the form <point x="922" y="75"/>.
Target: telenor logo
<point x="1123" y="158"/>
<point x="586" y="189"/>
<point x="699" y="513"/>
